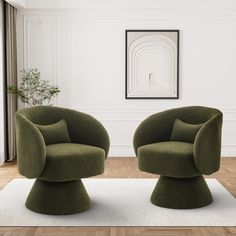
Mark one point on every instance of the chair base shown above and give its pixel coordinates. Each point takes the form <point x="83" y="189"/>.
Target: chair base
<point x="181" y="193"/>
<point x="58" y="198"/>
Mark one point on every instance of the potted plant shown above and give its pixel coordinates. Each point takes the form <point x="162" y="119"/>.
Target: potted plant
<point x="32" y="90"/>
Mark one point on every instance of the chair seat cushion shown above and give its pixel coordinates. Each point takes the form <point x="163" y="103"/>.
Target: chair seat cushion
<point x="173" y="159"/>
<point x="72" y="161"/>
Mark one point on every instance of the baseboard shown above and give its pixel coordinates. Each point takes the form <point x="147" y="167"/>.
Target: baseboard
<point x="2" y="159"/>
<point x="228" y="153"/>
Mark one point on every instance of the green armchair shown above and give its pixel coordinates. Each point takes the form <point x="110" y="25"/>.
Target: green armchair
<point x="58" y="147"/>
<point x="181" y="145"/>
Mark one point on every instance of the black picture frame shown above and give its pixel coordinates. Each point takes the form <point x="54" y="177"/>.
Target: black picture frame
<point x="127" y="31"/>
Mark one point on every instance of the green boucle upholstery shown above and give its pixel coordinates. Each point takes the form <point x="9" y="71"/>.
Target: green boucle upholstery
<point x="59" y="167"/>
<point x="60" y="198"/>
<point x="184" y="132"/>
<point x="207" y="144"/>
<point x="168" y="159"/>
<point x="55" y="133"/>
<point x="177" y="161"/>
<point x="181" y="193"/>
<point x="72" y="161"/>
<point x="31" y="149"/>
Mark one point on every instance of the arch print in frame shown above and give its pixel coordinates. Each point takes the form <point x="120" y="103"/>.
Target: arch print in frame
<point x="152" y="64"/>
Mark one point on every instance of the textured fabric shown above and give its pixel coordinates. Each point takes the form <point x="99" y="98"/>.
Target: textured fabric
<point x="207" y="144"/>
<point x="59" y="167"/>
<point x="178" y="162"/>
<point x="58" y="198"/>
<point x="55" y="133"/>
<point x="31" y="150"/>
<point x="179" y="193"/>
<point x="11" y="78"/>
<point x="71" y="161"/>
<point x="83" y="128"/>
<point x="184" y="132"/>
<point x="168" y="158"/>
<point x="119" y="202"/>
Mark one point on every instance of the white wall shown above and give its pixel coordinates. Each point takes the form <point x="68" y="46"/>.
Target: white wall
<point x="2" y="143"/>
<point x="83" y="51"/>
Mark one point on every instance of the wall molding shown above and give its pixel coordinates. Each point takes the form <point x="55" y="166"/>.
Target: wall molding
<point x="138" y="14"/>
<point x="37" y="20"/>
<point x="227" y="109"/>
<point x="105" y="111"/>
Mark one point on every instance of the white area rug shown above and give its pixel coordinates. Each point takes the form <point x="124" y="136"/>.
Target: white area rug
<point x="118" y="202"/>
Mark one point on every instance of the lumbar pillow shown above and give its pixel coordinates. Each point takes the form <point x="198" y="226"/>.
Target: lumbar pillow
<point x="184" y="132"/>
<point x="55" y="133"/>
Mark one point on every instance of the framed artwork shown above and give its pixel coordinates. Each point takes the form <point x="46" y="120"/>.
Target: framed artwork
<point x="152" y="64"/>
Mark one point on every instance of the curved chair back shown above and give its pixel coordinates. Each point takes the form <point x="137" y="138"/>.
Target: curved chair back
<point x="207" y="144"/>
<point x="31" y="152"/>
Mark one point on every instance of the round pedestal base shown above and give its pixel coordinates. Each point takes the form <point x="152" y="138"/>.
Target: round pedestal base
<point x="58" y="198"/>
<point x="181" y="193"/>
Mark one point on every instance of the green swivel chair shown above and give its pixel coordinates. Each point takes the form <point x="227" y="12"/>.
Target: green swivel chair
<point x="180" y="145"/>
<point x="58" y="147"/>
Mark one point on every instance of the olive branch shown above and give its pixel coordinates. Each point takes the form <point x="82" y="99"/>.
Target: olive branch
<point x="32" y="90"/>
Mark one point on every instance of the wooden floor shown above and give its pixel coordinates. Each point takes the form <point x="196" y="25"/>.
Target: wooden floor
<point x="124" y="168"/>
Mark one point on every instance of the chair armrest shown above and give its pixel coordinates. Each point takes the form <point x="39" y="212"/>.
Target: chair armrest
<point x="31" y="150"/>
<point x="85" y="129"/>
<point x="207" y="146"/>
<point x="155" y="128"/>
